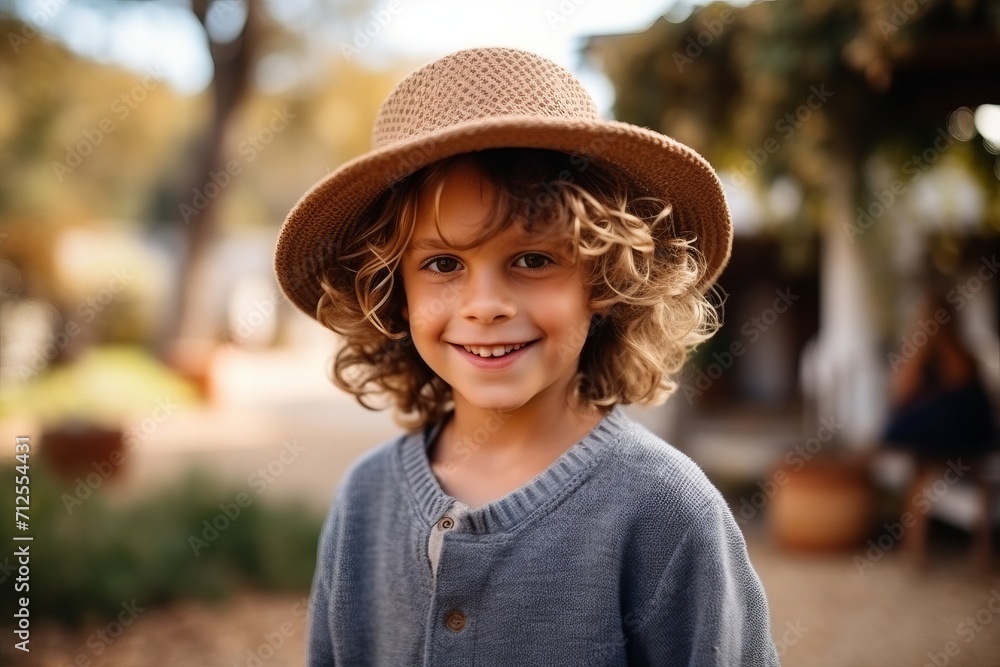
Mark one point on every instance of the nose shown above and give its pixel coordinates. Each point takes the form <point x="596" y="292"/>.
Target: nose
<point x="487" y="297"/>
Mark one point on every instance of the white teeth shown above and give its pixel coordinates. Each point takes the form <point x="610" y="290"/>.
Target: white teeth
<point x="492" y="351"/>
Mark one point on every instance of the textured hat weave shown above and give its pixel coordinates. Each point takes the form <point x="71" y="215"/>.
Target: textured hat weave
<point x="493" y="98"/>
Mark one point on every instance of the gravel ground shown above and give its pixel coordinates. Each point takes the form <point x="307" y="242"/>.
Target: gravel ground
<point x="250" y="629"/>
<point x="826" y="614"/>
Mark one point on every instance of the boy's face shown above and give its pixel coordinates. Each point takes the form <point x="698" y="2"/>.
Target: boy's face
<point x="515" y="289"/>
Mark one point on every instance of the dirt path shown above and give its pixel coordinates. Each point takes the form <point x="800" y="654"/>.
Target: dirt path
<point x="248" y="630"/>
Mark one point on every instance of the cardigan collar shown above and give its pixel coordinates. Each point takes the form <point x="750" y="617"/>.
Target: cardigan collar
<point x="504" y="514"/>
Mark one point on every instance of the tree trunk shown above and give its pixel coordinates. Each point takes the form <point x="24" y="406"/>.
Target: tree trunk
<point x="232" y="62"/>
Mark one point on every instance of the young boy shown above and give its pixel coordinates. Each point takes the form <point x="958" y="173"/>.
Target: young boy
<point x="508" y="268"/>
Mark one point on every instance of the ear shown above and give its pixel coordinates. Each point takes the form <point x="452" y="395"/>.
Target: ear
<point x="406" y="314"/>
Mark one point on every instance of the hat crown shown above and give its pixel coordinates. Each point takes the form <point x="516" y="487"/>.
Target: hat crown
<point x="479" y="85"/>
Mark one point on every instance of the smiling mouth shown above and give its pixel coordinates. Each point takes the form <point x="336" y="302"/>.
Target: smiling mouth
<point x="492" y="351"/>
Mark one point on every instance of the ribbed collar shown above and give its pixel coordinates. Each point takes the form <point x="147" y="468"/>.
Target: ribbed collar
<point x="503" y="514"/>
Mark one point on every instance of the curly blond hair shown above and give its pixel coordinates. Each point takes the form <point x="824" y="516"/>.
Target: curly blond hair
<point x="643" y="280"/>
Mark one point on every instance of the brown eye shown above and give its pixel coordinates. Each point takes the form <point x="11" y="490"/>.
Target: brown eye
<point x="442" y="265"/>
<point x="532" y="261"/>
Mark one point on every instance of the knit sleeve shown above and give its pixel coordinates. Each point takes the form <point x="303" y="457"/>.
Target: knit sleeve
<point x="709" y="607"/>
<point x="319" y="640"/>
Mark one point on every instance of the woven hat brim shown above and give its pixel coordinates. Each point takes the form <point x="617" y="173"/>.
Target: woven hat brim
<point x="311" y="235"/>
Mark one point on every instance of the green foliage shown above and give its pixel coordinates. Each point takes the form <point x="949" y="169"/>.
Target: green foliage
<point x="724" y="79"/>
<point x="88" y="558"/>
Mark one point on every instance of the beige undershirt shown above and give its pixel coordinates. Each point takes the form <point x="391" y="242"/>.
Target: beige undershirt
<point x="457" y="510"/>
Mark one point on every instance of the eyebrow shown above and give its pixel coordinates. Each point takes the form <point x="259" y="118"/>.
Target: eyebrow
<point x="428" y="243"/>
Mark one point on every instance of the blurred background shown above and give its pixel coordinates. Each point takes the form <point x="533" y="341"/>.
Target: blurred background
<point x="185" y="439"/>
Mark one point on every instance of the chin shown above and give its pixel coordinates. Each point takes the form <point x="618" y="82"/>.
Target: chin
<point x="496" y="403"/>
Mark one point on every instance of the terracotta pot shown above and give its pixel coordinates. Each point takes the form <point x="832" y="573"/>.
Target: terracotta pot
<point x="79" y="450"/>
<point x="825" y="505"/>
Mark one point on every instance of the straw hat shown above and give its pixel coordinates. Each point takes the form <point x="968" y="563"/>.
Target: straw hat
<point x="493" y="98"/>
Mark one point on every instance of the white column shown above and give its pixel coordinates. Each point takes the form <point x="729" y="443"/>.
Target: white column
<point x="850" y="370"/>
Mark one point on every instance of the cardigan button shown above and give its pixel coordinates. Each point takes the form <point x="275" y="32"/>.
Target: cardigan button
<point x="455" y="620"/>
<point x="446" y="523"/>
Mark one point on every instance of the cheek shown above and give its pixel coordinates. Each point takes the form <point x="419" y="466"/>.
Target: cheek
<point x="575" y="336"/>
<point x="568" y="318"/>
<point x="426" y="309"/>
